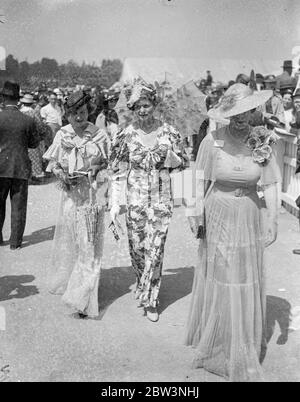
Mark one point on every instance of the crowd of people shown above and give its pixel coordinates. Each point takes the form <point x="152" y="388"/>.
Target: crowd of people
<point x="101" y="165"/>
<point x="281" y="111"/>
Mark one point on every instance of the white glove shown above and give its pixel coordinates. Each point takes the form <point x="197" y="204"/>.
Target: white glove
<point x="114" y="212"/>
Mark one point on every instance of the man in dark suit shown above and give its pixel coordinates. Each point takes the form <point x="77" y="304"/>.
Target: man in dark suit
<point x="18" y="132"/>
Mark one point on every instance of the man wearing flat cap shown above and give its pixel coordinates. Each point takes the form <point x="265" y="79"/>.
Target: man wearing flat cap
<point x="18" y="132"/>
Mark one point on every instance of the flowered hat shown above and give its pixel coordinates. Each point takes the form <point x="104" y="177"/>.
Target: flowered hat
<point x="76" y="100"/>
<point x="238" y="98"/>
<point x="112" y="94"/>
<point x="139" y="89"/>
<point x="270" y="78"/>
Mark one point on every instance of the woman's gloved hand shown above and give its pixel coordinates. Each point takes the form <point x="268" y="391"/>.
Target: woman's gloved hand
<point x="114" y="213"/>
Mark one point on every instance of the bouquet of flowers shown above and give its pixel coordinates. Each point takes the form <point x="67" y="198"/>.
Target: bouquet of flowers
<point x="260" y="141"/>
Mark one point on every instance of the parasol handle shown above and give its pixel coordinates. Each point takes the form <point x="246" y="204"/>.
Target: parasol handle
<point x="91" y="188"/>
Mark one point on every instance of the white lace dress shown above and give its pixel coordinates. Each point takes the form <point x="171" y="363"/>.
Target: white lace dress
<point x="76" y="261"/>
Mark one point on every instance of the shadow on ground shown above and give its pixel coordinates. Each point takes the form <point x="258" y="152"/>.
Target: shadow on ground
<point x="12" y="287"/>
<point x="277" y="310"/>
<point x="39" y="236"/>
<point x="176" y="284"/>
<point x="114" y="283"/>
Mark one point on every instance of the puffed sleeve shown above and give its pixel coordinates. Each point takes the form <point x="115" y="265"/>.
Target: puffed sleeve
<point x="270" y="172"/>
<point x="119" y="164"/>
<point x="202" y="173"/>
<point x="54" y="153"/>
<point x="176" y="156"/>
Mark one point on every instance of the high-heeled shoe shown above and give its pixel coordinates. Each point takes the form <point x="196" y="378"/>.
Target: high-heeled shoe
<point x="152" y="314"/>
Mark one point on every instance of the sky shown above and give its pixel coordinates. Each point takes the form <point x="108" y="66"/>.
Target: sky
<point x="91" y="30"/>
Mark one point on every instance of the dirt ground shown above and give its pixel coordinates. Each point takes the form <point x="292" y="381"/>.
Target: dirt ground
<point x="43" y="341"/>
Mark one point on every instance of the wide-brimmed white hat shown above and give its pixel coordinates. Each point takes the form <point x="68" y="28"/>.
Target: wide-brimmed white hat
<point x="27" y="99"/>
<point x="238" y="98"/>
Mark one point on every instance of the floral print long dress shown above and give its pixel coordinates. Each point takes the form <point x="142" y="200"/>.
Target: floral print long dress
<point x="144" y="173"/>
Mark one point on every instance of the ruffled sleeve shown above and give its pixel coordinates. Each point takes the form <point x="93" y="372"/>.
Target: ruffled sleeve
<point x="202" y="173"/>
<point x="270" y="172"/>
<point x="119" y="165"/>
<point x="176" y="156"/>
<point x="55" y="153"/>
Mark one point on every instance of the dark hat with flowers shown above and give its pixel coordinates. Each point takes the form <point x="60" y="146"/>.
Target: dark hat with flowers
<point x="76" y="100"/>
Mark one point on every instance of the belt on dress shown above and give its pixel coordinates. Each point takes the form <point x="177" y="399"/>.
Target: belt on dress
<point x="236" y="191"/>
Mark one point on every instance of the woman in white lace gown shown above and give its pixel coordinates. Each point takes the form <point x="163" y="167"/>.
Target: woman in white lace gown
<point x="226" y="321"/>
<point x="76" y="260"/>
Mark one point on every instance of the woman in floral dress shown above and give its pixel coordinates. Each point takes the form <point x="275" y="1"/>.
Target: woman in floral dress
<point x="78" y="154"/>
<point x="226" y="321"/>
<point x="142" y="157"/>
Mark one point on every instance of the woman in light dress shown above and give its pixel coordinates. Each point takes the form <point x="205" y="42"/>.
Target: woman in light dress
<point x="78" y="158"/>
<point x="227" y="316"/>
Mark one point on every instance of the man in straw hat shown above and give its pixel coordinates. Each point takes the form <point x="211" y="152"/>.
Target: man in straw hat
<point x="17" y="133"/>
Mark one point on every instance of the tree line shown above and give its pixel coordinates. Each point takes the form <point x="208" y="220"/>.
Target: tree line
<point x="48" y="70"/>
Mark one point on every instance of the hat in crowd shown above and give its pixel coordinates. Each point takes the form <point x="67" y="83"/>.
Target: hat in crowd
<point x="242" y="79"/>
<point x="42" y="87"/>
<point x="77" y="99"/>
<point x="112" y="94"/>
<point x="57" y="91"/>
<point x="238" y="98"/>
<point x="287" y="64"/>
<point x="287" y="91"/>
<point x="27" y="99"/>
<point x="259" y="78"/>
<point x="87" y="88"/>
<point x="11" y="89"/>
<point x="297" y="93"/>
<point x="139" y="89"/>
<point x="270" y="78"/>
<point x="287" y="83"/>
<point x="219" y="86"/>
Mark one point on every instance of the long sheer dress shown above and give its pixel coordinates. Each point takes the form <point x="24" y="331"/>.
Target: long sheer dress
<point x="76" y="261"/>
<point x="226" y="320"/>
